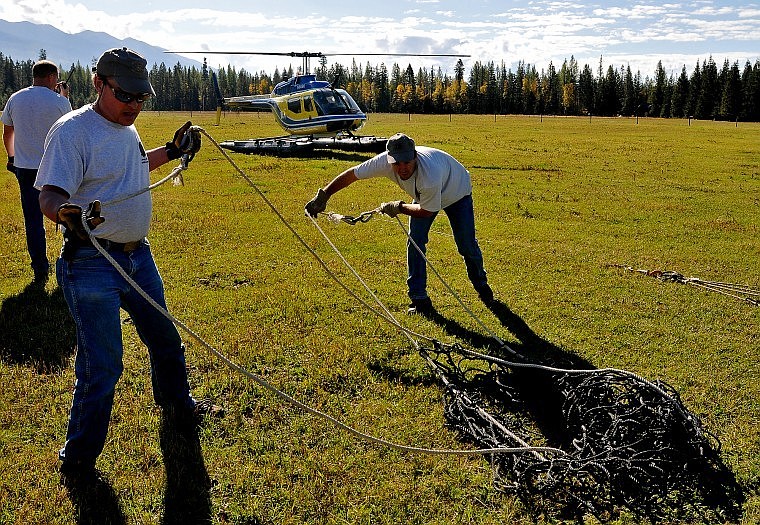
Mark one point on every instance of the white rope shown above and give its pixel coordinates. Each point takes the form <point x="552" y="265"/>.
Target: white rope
<point x="264" y="383"/>
<point x="502" y="362"/>
<point x="176" y="175"/>
<point x="450" y="289"/>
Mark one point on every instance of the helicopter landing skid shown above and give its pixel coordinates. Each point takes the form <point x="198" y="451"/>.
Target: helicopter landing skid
<point x="306" y="146"/>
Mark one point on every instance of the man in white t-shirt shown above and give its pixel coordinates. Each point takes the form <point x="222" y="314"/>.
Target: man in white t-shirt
<point x="91" y="155"/>
<point x="27" y="117"/>
<point x="436" y="181"/>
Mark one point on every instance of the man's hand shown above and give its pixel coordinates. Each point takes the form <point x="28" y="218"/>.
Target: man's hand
<point x="10" y="167"/>
<point x="70" y="215"/>
<point x="318" y="204"/>
<point x="186" y="141"/>
<point x="391" y="209"/>
<point x="62" y="88"/>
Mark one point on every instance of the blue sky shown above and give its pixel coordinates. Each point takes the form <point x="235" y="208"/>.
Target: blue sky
<point x="536" y="32"/>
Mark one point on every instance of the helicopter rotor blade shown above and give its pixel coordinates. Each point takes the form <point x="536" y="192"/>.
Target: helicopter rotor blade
<point x="319" y="54"/>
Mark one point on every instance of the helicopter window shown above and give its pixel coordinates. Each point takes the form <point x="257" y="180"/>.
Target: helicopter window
<point x="350" y="102"/>
<point x="294" y="105"/>
<point x="329" y="103"/>
<point x="308" y="104"/>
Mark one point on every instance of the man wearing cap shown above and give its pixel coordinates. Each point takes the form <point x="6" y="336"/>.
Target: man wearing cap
<point x="27" y="117"/>
<point x="436" y="181"/>
<point x="91" y="155"/>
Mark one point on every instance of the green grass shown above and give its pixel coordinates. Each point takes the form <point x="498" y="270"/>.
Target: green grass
<point x="557" y="200"/>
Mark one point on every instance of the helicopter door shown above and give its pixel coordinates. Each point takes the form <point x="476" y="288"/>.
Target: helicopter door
<point x="308" y="106"/>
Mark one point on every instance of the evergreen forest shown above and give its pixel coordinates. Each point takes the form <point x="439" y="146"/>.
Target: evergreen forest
<point x="729" y="92"/>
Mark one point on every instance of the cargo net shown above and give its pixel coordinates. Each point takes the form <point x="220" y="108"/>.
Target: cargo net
<point x="630" y="443"/>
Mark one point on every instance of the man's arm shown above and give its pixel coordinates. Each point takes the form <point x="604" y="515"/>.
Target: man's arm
<point x="415" y="210"/>
<point x="343" y="180"/>
<point x="51" y="198"/>
<point x="8" y="134"/>
<point x="157" y="157"/>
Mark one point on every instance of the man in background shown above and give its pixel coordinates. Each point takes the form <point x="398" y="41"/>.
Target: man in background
<point x="27" y="118"/>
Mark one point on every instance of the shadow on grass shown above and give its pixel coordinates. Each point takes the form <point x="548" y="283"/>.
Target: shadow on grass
<point x="529" y="346"/>
<point x="36" y="329"/>
<point x="718" y="489"/>
<point x="95" y="501"/>
<point x="186" y="495"/>
<point x="542" y="403"/>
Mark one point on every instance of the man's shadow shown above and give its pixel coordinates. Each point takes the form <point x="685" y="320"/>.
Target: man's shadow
<point x="95" y="501"/>
<point x="540" y="400"/>
<point x="36" y="329"/>
<point x="187" y="499"/>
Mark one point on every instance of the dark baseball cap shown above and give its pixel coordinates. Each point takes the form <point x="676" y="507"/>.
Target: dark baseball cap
<point x="400" y="148"/>
<point x="127" y="67"/>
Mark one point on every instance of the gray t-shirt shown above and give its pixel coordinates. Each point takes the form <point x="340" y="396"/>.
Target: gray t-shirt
<point x="31" y="111"/>
<point x="91" y="159"/>
<point x="439" y="181"/>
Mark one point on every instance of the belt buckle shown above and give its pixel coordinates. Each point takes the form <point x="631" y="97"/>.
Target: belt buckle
<point x="132" y="246"/>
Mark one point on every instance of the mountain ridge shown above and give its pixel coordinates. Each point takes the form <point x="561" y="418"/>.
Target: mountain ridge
<point x="21" y="41"/>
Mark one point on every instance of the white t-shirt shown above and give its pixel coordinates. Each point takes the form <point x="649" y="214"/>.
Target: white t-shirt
<point x="92" y="158"/>
<point x="31" y="111"/>
<point x="439" y="180"/>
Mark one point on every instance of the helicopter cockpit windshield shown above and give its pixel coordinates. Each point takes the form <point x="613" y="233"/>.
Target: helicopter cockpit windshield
<point x="335" y="102"/>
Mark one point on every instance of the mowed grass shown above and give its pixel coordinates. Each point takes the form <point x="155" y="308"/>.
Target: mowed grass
<point x="557" y="201"/>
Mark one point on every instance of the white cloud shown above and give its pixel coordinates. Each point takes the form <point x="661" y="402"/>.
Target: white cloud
<point x="536" y="32"/>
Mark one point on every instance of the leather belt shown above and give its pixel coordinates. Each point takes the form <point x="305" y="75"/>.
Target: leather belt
<point x="108" y="245"/>
<point x="119" y="246"/>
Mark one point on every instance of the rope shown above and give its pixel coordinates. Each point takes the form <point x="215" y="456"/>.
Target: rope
<point x="175" y="176"/>
<point x="737" y="291"/>
<point x="263" y="382"/>
<point x="502" y="362"/>
<point x="628" y="449"/>
<point x="348" y="219"/>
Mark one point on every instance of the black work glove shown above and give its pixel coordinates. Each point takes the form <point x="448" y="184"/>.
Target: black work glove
<point x="70" y="215"/>
<point x="317" y="204"/>
<point x="10" y="167"/>
<point x="186" y="141"/>
<point x="391" y="209"/>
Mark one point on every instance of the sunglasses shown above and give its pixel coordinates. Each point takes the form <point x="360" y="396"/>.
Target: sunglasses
<point x="124" y="97"/>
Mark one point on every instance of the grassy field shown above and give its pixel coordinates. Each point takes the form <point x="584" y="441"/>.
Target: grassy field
<point x="557" y="201"/>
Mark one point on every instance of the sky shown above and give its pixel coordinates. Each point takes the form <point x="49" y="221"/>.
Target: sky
<point x="536" y="32"/>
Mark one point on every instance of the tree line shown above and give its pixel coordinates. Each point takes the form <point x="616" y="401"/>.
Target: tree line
<point x="731" y="92"/>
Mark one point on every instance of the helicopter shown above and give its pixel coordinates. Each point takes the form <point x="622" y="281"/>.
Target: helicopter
<point x="315" y="114"/>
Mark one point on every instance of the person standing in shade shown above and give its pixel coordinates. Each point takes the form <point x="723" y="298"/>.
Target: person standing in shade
<point x="436" y="181"/>
<point x="27" y="118"/>
<point x="94" y="155"/>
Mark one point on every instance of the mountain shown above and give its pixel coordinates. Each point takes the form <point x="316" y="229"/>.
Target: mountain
<point x="22" y="41"/>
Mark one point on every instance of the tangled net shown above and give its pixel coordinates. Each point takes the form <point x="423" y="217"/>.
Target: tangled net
<point x="629" y="443"/>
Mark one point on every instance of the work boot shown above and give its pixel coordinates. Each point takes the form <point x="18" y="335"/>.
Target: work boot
<point x="186" y="419"/>
<point x="423" y="307"/>
<point x="78" y="475"/>
<point x="206" y="408"/>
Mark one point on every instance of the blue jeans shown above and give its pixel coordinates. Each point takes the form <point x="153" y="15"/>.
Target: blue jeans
<point x="462" y="218"/>
<point x="33" y="220"/>
<point x="95" y="292"/>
